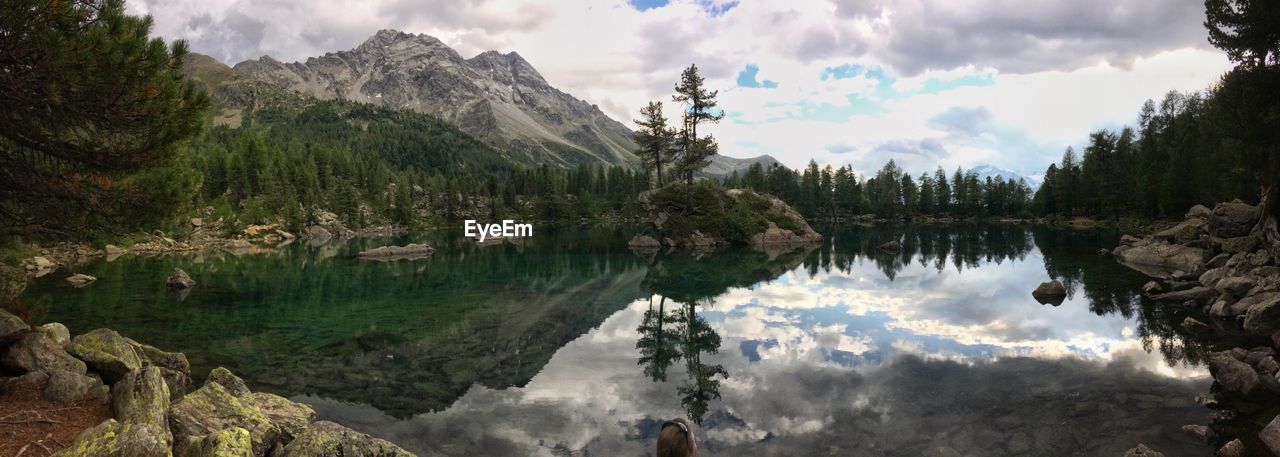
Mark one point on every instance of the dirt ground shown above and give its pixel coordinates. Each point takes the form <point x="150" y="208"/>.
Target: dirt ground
<point x="30" y="426"/>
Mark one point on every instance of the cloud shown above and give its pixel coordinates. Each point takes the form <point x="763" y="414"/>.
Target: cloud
<point x="962" y="119"/>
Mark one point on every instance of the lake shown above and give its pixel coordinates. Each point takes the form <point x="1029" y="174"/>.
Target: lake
<point x="568" y="343"/>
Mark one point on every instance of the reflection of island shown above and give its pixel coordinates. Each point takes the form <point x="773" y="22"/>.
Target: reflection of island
<point x="670" y="336"/>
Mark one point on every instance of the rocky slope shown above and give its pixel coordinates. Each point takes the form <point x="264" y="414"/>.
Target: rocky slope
<point x="706" y="215"/>
<point x="1224" y="273"/>
<point x="722" y="166"/>
<point x="156" y="411"/>
<point x="498" y="98"/>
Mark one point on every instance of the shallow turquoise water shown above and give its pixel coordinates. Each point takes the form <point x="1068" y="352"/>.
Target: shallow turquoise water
<point x="570" y="344"/>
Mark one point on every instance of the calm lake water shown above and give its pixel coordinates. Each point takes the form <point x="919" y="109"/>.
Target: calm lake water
<point x="570" y="344"/>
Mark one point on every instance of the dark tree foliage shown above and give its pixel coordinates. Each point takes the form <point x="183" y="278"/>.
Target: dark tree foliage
<point x="699" y="107"/>
<point x="655" y="139"/>
<point x="93" y="110"/>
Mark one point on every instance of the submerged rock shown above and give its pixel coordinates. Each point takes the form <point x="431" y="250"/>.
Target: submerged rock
<point x="114" y="439"/>
<point x="890" y="246"/>
<point x="324" y="439"/>
<point x="397" y="252"/>
<point x="80" y="280"/>
<point x="1050" y="292"/>
<point x="644" y="242"/>
<point x="107" y="352"/>
<point x="179" y="279"/>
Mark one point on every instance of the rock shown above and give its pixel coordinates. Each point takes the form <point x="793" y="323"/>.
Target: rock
<point x="114" y="439"/>
<point x="228" y="380"/>
<point x="1159" y="259"/>
<point x="1233" y="219"/>
<point x="1237" y="286"/>
<point x="1211" y="277"/>
<point x="36" y="352"/>
<point x="324" y="439"/>
<point x="179" y="279"/>
<point x="1268" y="366"/>
<point x="776" y="236"/>
<point x="1233" y="374"/>
<point x="1193" y="325"/>
<point x="1104" y="252"/>
<point x="112" y="250"/>
<point x="316" y="232"/>
<point x="644" y="242"/>
<point x="397" y="252"/>
<point x="1050" y="292"/>
<point x="197" y="222"/>
<point x="891" y="246"/>
<point x="1142" y="451"/>
<point x="1202" y="295"/>
<point x="80" y="280"/>
<point x="107" y="353"/>
<point x="1152" y="287"/>
<point x="1201" y="433"/>
<point x="1129" y="240"/>
<point x="56" y="332"/>
<point x="291" y="417"/>
<point x="68" y="387"/>
<point x="1238" y="244"/>
<point x="1233" y="448"/>
<point x="1270" y="435"/>
<point x="1199" y="212"/>
<point x="229" y="442"/>
<point x="173" y="366"/>
<point x="1263" y="317"/>
<point x="142" y="397"/>
<point x="1256" y="355"/>
<point x="1218" y="261"/>
<point x="212" y="408"/>
<point x="1188" y="230"/>
<point x="32" y="380"/>
<point x="12" y="328"/>
<point x="41" y="263"/>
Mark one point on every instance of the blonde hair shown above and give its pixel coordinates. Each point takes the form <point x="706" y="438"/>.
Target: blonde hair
<point x="675" y="439"/>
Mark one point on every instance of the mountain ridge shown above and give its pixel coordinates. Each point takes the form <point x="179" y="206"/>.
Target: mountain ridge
<point x="499" y="98"/>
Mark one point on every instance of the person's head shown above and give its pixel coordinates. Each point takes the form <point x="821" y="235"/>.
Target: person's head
<point x="675" y="439"/>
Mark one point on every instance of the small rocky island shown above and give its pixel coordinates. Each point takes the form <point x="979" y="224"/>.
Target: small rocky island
<point x="1220" y="269"/>
<point x="706" y="215"/>
<point x="143" y="402"/>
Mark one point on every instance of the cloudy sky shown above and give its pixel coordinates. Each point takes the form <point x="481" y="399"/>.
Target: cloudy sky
<point x="1008" y="83"/>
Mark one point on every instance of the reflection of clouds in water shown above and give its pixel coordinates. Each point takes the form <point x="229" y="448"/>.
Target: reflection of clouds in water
<point x="816" y="363"/>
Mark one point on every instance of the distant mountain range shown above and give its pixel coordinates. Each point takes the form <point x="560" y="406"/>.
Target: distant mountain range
<point x="498" y="98"/>
<point x="723" y="166"/>
<point x="985" y="171"/>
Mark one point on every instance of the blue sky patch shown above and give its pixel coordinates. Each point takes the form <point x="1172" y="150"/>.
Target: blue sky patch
<point x="707" y="5"/>
<point x="747" y="78"/>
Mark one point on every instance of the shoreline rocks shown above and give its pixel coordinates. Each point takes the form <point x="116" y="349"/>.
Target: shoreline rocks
<point x="1217" y="268"/>
<point x="702" y="216"/>
<point x="408" y="251"/>
<point x="179" y="279"/>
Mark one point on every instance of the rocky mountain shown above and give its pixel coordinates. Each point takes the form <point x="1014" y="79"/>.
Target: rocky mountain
<point x="723" y="166"/>
<point x="499" y="98"/>
<point x="985" y="171"/>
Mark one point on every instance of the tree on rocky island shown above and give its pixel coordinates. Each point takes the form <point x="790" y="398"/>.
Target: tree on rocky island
<point x="93" y="110"/>
<point x="655" y="139"/>
<point x="699" y="107"/>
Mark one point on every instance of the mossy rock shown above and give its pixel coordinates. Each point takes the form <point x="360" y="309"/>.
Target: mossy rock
<point x="37" y="352"/>
<point x="212" y="408"/>
<point x="11" y="328"/>
<point x="173" y="366"/>
<point x="291" y="417"/>
<point x="142" y="397"/>
<point x="228" y="442"/>
<point x="228" y="380"/>
<point x="114" y="439"/>
<point x="327" y="439"/>
<point x="107" y="353"/>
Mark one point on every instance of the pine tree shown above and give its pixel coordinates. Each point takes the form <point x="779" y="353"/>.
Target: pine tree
<point x="90" y="103"/>
<point x="699" y="107"/>
<point x="654" y="138"/>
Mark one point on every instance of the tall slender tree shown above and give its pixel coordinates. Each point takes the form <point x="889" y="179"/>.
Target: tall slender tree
<point x="654" y="138"/>
<point x="700" y="107"/>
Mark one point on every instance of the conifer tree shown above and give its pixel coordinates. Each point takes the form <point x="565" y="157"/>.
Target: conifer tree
<point x="699" y="107"/>
<point x="654" y="139"/>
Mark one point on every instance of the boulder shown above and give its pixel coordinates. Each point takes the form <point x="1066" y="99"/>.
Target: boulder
<point x="228" y="442"/>
<point x="1152" y="287"/>
<point x="1160" y="259"/>
<point x="56" y="332"/>
<point x="68" y="387"/>
<point x="179" y="279"/>
<point x="324" y="439"/>
<point x="1201" y="433"/>
<point x="1263" y="316"/>
<point x="317" y="232"/>
<point x="1233" y="374"/>
<point x="12" y="328"/>
<point x="80" y="280"/>
<point x="1218" y="261"/>
<point x="197" y="222"/>
<point x="776" y="236"/>
<point x="1142" y="451"/>
<point x="212" y="408"/>
<point x="1270" y="435"/>
<point x="173" y="366"/>
<point x="397" y="252"/>
<point x="1193" y="325"/>
<point x="36" y="352"/>
<point x="291" y="417"/>
<point x="1201" y="295"/>
<point x="1233" y="448"/>
<point x="1211" y="277"/>
<point x="1233" y="219"/>
<point x="1238" y="244"/>
<point x="142" y="397"/>
<point x="228" y="380"/>
<point x="115" y="439"/>
<point x="107" y="353"/>
<point x="1050" y="292"/>
<point x="31" y="380"/>
<point x="890" y="246"/>
<point x="41" y="263"/>
<point x="1187" y="231"/>
<point x="644" y="242"/>
<point x="1236" y="286"/>
<point x="113" y="251"/>
<point x="1198" y="212"/>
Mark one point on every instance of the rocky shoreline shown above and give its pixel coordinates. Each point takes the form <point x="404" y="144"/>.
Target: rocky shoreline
<point x="1222" y="269"/>
<point x="155" y="410"/>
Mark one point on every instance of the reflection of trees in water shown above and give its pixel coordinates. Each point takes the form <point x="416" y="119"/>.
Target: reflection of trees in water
<point x="958" y="245"/>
